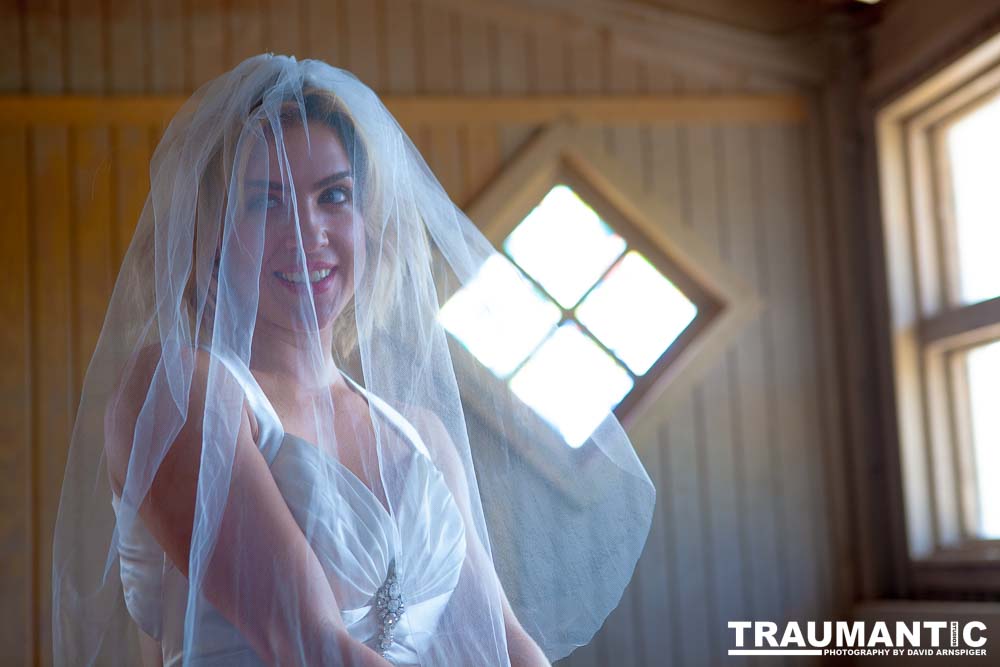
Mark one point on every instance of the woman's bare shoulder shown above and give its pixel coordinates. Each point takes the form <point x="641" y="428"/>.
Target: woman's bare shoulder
<point x="135" y="389"/>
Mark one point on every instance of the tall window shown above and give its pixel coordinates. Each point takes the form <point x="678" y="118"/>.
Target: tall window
<point x="972" y="270"/>
<point x="939" y="160"/>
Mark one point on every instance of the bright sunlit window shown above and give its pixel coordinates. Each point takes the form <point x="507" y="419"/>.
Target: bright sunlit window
<point x="973" y="147"/>
<point x="974" y="156"/>
<point x="983" y="368"/>
<point x="569" y="314"/>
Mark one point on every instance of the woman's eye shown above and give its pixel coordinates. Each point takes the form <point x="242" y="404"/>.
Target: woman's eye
<point x="337" y="195"/>
<point x="264" y="202"/>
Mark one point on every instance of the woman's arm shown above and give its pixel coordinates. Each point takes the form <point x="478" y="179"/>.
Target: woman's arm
<point x="523" y="650"/>
<point x="263" y="576"/>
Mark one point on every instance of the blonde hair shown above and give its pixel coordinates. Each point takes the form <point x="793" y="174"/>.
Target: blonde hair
<point x="212" y="200"/>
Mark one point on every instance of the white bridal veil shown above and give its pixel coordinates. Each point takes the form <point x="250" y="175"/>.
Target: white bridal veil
<point x="277" y="311"/>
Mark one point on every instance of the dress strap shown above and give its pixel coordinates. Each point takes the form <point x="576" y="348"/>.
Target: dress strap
<point x="407" y="429"/>
<point x="270" y="431"/>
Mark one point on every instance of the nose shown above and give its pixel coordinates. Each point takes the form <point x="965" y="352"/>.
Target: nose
<point x="313" y="230"/>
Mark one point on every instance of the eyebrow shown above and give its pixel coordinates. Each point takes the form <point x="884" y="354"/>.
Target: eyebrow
<point x="277" y="185"/>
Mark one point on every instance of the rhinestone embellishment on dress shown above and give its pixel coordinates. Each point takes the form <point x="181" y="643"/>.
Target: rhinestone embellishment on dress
<point x="389" y="603"/>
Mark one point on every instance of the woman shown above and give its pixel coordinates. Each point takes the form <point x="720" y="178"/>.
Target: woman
<point x="234" y="496"/>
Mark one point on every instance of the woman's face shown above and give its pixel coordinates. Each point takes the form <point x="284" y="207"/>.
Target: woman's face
<point x="328" y="223"/>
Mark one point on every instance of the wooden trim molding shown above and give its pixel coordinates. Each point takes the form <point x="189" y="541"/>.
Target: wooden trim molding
<point x="450" y="110"/>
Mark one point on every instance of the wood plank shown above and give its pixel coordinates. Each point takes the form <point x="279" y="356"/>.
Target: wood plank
<point x="438" y="48"/>
<point x="401" y="54"/>
<point x="687" y="566"/>
<point x="830" y="425"/>
<point x="12" y="68"/>
<point x="85" y="47"/>
<point x="365" y="52"/>
<point x="624" y="140"/>
<point x="812" y="376"/>
<point x="45" y="56"/>
<point x="93" y="278"/>
<point x="440" y="74"/>
<point x="735" y="529"/>
<point x="794" y="373"/>
<point x="127" y="36"/>
<point x="52" y="354"/>
<point x="246" y="30"/>
<point x="130" y="185"/>
<point x="207" y="24"/>
<point x="714" y="416"/>
<point x="17" y="533"/>
<point x="169" y="57"/>
<point x="650" y="601"/>
<point x="511" y="78"/>
<point x="479" y="144"/>
<point x="750" y="385"/>
<point x="475" y="60"/>
<point x="281" y="27"/>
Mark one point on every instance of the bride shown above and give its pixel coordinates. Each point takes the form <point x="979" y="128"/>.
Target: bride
<point x="235" y="496"/>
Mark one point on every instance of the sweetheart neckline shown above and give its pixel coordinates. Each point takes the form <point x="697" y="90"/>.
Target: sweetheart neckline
<point x="340" y="465"/>
<point x="372" y="404"/>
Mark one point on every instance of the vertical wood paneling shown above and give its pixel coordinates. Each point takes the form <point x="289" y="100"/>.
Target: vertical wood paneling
<point x="364" y="43"/>
<point x="44" y="47"/>
<point x="53" y="365"/>
<point x="17" y="549"/>
<point x="209" y="41"/>
<point x="246" y="29"/>
<point x="12" y="66"/>
<point x="784" y="238"/>
<point x="480" y="144"/>
<point x="127" y="34"/>
<point x="749" y="382"/>
<point x="92" y="262"/>
<point x="281" y="27"/>
<point x="169" y="52"/>
<point x="129" y="185"/>
<point x="85" y="46"/>
<point x="441" y="74"/>
<point x="713" y="411"/>
<point x="512" y="74"/>
<point x="831" y="429"/>
<point x="400" y="48"/>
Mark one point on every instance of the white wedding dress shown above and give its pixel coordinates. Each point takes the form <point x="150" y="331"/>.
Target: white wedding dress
<point x="394" y="574"/>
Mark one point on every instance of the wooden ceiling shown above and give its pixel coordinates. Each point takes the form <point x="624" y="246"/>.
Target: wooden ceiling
<point x="768" y="16"/>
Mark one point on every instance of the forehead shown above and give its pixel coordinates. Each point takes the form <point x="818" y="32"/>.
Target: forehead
<point x="322" y="155"/>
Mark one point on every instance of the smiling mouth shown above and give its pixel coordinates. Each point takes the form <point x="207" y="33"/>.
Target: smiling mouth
<point x="300" y="278"/>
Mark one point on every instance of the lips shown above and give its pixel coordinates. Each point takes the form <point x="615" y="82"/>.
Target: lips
<point x="318" y="278"/>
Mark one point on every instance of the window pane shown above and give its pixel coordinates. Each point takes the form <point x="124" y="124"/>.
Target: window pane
<point x="636" y="312"/>
<point x="499" y="315"/>
<point x="974" y="152"/>
<point x="564" y="245"/>
<point x="983" y="365"/>
<point x="572" y="383"/>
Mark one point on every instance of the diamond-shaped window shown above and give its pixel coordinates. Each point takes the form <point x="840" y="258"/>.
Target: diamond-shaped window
<point x="574" y="313"/>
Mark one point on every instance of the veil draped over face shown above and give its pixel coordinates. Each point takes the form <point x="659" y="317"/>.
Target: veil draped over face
<point x="278" y="310"/>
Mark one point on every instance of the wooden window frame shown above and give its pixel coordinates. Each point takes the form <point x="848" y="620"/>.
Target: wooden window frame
<point x="564" y="152"/>
<point x="931" y="328"/>
<point x="708" y="307"/>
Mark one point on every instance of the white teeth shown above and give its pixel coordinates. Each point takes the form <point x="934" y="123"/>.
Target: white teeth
<point x="314" y="276"/>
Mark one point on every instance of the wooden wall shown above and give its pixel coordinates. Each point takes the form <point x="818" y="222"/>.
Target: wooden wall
<point x="753" y="510"/>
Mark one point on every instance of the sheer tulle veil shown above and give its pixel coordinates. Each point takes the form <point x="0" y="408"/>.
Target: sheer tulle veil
<point x="197" y="312"/>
